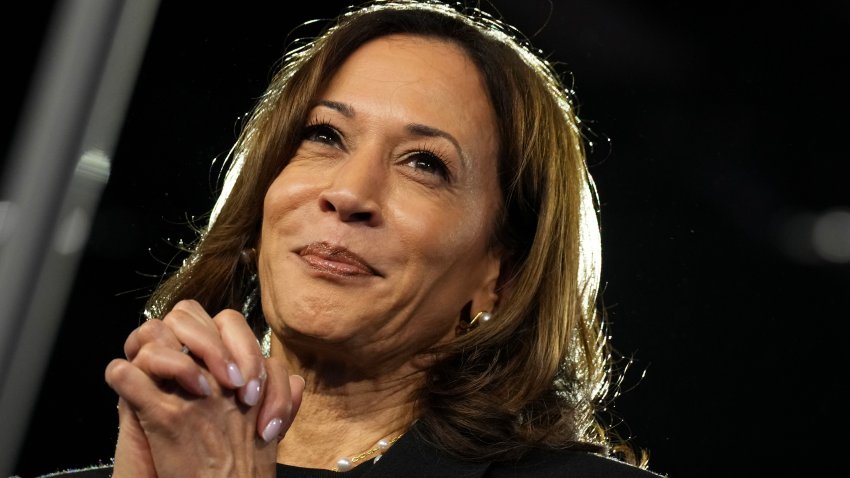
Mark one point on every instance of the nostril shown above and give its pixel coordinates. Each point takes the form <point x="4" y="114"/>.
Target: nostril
<point x="327" y="206"/>
<point x="349" y="207"/>
<point x="360" y="216"/>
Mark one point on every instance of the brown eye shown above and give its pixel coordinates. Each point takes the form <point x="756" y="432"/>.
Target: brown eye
<point x="322" y="133"/>
<point x="428" y="163"/>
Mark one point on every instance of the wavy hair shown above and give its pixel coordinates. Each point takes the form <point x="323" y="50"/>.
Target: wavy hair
<point x="540" y="373"/>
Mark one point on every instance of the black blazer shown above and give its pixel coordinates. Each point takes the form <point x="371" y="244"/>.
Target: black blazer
<point x="411" y="457"/>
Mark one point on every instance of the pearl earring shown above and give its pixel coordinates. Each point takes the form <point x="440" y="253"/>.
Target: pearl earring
<point x="480" y="318"/>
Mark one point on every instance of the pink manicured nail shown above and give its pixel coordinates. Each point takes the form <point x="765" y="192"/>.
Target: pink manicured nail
<point x="252" y="393"/>
<point x="235" y="375"/>
<point x="205" y="385"/>
<point x="272" y="430"/>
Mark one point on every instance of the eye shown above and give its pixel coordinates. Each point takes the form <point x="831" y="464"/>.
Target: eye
<point x="322" y="133"/>
<point x="428" y="162"/>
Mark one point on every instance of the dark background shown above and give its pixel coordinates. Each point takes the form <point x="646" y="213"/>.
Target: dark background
<point x="720" y="133"/>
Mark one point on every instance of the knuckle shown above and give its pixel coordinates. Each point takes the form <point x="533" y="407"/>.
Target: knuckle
<point x="132" y="344"/>
<point x="149" y="330"/>
<point x="143" y="357"/>
<point x="187" y="305"/>
<point x="164" y="413"/>
<point x="176" y="315"/>
<point x="229" y="316"/>
<point x="117" y="371"/>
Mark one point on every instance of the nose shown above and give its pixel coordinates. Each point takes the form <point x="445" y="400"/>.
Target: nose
<point x="355" y="190"/>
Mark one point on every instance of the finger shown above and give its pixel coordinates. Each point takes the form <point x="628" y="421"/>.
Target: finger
<point x="165" y="363"/>
<point x="161" y="412"/>
<point x="195" y="328"/>
<point x="281" y="400"/>
<point x="151" y="331"/>
<point x="131" y="383"/>
<point x="240" y="340"/>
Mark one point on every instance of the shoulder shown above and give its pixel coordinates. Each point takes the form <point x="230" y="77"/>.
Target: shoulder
<point x="559" y="463"/>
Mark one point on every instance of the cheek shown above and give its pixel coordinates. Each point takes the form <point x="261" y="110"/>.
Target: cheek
<point x="286" y="194"/>
<point x="442" y="234"/>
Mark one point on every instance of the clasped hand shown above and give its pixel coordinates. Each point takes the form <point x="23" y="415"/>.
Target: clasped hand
<point x="197" y="398"/>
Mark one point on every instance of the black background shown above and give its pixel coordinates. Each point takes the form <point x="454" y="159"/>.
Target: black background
<point x="716" y="126"/>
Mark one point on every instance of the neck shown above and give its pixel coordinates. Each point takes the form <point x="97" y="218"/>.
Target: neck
<point x="345" y="413"/>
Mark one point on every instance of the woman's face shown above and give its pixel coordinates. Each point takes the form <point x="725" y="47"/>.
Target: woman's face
<point x="376" y="233"/>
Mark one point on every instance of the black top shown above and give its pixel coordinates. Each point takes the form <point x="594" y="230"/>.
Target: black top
<point x="411" y="457"/>
<point x="358" y="471"/>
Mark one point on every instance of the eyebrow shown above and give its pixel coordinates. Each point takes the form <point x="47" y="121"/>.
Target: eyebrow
<point x="343" y="108"/>
<point x="413" y="128"/>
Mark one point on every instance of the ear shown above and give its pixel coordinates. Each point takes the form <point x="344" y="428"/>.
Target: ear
<point x="485" y="296"/>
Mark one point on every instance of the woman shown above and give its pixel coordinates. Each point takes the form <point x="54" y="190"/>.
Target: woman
<point x="409" y="227"/>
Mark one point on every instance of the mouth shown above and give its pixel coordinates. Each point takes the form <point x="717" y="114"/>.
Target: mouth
<point x="336" y="260"/>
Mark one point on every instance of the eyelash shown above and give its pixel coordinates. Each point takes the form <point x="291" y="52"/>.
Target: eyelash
<point x="335" y="138"/>
<point x="440" y="166"/>
<point x="436" y="162"/>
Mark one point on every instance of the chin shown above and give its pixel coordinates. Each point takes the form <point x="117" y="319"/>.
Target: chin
<point x="313" y="331"/>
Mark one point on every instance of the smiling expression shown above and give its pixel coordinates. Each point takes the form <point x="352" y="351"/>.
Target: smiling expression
<point x="377" y="232"/>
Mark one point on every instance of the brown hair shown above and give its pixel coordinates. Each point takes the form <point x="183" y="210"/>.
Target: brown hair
<point x="539" y="372"/>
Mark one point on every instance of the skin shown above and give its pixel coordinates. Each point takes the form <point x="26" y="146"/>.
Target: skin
<point x="398" y="171"/>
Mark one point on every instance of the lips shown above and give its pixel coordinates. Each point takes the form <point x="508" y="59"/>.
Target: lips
<point x="336" y="260"/>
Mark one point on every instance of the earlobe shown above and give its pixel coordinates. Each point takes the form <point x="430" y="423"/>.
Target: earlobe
<point x="466" y="324"/>
<point x="485" y="298"/>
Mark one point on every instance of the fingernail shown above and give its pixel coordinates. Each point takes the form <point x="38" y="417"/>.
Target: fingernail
<point x="252" y="393"/>
<point x="272" y="430"/>
<point x="235" y="375"/>
<point x="302" y="379"/>
<point x="205" y="385"/>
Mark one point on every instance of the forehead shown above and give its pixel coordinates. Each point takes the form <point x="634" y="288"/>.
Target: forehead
<point x="441" y="55"/>
<point x="430" y="78"/>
